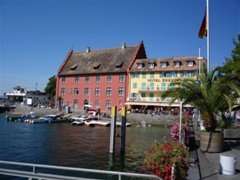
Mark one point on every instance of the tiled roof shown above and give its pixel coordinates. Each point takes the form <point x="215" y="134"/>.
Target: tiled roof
<point x="99" y="61"/>
<point x="171" y="64"/>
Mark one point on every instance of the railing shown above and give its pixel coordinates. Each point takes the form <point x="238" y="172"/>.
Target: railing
<point x="37" y="171"/>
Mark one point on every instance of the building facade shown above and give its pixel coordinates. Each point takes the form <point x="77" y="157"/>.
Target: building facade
<point x="149" y="78"/>
<point x="97" y="78"/>
<point x="36" y="98"/>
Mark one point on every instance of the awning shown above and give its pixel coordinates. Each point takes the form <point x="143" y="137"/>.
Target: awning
<point x="167" y="104"/>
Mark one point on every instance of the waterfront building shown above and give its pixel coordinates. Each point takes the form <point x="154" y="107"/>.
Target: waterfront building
<point x="17" y="95"/>
<point x="96" y="78"/>
<point x="36" y="98"/>
<point x="149" y="78"/>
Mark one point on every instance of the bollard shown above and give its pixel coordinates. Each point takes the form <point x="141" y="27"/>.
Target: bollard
<point x="123" y="129"/>
<point x="113" y="129"/>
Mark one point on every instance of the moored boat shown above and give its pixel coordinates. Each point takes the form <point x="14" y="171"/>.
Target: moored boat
<point x="119" y="124"/>
<point x="78" y="122"/>
<point x="89" y="123"/>
<point x="101" y="123"/>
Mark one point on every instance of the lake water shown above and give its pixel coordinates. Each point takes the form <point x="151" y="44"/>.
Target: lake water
<point x="75" y="146"/>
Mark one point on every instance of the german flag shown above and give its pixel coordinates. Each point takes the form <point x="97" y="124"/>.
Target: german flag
<point x="203" y="29"/>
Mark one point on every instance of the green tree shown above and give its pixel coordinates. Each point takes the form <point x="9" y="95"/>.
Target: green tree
<point x="232" y="64"/>
<point x="50" y="89"/>
<point x="212" y="94"/>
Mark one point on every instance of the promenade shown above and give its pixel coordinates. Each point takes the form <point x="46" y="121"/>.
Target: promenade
<point x="207" y="165"/>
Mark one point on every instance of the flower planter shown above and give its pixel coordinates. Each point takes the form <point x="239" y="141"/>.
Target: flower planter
<point x="211" y="141"/>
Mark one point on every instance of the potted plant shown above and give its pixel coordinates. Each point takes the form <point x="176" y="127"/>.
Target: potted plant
<point x="168" y="160"/>
<point x="211" y="94"/>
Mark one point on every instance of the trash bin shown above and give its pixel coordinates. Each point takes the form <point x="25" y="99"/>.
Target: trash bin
<point x="227" y="164"/>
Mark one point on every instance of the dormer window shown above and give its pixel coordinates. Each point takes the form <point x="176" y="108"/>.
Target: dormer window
<point x="152" y="65"/>
<point x="140" y="65"/>
<point x="96" y="65"/>
<point x="119" y="64"/>
<point x="190" y="63"/>
<point x="73" y="67"/>
<point x="164" y="64"/>
<point x="177" y="64"/>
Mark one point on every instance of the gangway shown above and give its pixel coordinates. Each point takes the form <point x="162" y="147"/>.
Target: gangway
<point x="38" y="171"/>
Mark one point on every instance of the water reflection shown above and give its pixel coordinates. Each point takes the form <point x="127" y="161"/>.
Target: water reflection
<point x="75" y="146"/>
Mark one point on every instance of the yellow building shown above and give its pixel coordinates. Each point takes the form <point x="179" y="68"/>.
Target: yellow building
<point x="149" y="78"/>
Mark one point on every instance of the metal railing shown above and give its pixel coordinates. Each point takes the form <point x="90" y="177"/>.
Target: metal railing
<point x="36" y="171"/>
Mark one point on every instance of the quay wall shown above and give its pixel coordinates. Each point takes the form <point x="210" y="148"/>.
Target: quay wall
<point x="134" y="118"/>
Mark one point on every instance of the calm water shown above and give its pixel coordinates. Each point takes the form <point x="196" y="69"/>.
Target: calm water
<point x="75" y="146"/>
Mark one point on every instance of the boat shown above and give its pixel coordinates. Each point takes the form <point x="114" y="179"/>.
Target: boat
<point x="81" y="118"/>
<point x="55" y="118"/>
<point x="40" y="120"/>
<point x="89" y="123"/>
<point x="27" y="117"/>
<point x="78" y="122"/>
<point x="13" y="117"/>
<point x="119" y="124"/>
<point x="101" y="123"/>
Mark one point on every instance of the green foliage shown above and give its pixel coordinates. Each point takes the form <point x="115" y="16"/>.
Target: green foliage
<point x="233" y="64"/>
<point x="214" y="92"/>
<point x="50" y="89"/>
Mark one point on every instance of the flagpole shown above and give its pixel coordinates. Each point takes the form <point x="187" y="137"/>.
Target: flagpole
<point x="208" y="37"/>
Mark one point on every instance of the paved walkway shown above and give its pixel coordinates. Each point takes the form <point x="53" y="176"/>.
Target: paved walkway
<point x="207" y="165"/>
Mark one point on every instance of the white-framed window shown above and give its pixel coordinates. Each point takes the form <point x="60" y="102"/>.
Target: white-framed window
<point x="86" y="91"/>
<point x="62" y="91"/>
<point x="76" y="92"/>
<point x="109" y="78"/>
<point x="63" y="80"/>
<point x="77" y="79"/>
<point x="108" y="91"/>
<point x="87" y="79"/>
<point x="97" y="103"/>
<point x="163" y="64"/>
<point x="108" y="103"/>
<point x="97" y="91"/>
<point x="97" y="79"/>
<point x="120" y="91"/>
<point x="177" y="64"/>
<point x="140" y="65"/>
<point x="121" y="77"/>
<point x="190" y="63"/>
<point x="152" y="65"/>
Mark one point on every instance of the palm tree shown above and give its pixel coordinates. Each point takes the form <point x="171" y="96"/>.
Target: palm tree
<point x="212" y="93"/>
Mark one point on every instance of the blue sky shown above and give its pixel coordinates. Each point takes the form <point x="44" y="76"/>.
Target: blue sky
<point x="35" y="36"/>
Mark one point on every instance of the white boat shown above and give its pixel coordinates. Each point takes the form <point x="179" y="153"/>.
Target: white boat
<point x="78" y="122"/>
<point x="81" y="118"/>
<point x="119" y="124"/>
<point x="89" y="123"/>
<point x="101" y="123"/>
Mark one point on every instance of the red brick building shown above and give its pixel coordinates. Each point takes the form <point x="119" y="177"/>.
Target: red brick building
<point x="98" y="78"/>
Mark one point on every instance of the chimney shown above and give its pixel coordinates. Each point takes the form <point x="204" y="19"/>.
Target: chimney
<point x="88" y="50"/>
<point x="123" y="45"/>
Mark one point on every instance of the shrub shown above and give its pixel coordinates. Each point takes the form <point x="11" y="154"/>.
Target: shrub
<point x="162" y="157"/>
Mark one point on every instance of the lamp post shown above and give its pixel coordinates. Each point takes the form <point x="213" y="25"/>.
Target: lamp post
<point x="180" y="113"/>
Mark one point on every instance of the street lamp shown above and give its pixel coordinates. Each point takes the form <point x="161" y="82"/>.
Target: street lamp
<point x="180" y="113"/>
